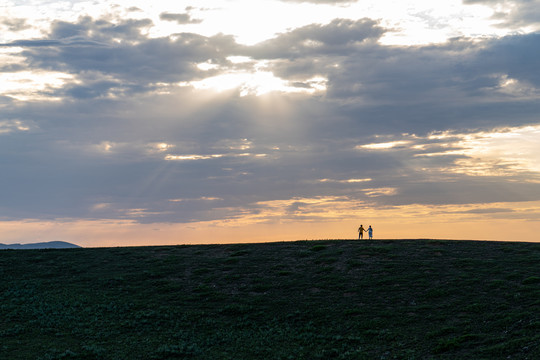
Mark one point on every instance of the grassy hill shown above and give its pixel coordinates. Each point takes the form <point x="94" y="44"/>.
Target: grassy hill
<point x="342" y="299"/>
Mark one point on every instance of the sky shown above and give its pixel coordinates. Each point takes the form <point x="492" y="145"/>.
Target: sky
<point x="192" y="122"/>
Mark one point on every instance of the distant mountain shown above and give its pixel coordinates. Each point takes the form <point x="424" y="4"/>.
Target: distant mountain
<point x="41" y="245"/>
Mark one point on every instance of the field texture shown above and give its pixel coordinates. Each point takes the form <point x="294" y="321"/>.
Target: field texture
<point x="340" y="299"/>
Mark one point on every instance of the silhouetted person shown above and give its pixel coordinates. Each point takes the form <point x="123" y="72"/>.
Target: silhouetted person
<point x="361" y="232"/>
<point x="370" y="232"/>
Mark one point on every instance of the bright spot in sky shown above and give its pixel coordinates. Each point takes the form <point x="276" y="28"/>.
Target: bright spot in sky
<point x="345" y="181"/>
<point x="503" y="152"/>
<point x="250" y="22"/>
<point x="382" y="146"/>
<point x="192" y="157"/>
<point x="255" y="21"/>
<point x="31" y="85"/>
<point x="239" y="59"/>
<point x="386" y="191"/>
<point x="256" y="83"/>
<point x="517" y="148"/>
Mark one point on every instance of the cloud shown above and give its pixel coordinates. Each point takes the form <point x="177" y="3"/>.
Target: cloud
<point x="129" y="135"/>
<point x="86" y="27"/>
<point x="513" y="57"/>
<point x="182" y="18"/>
<point x="513" y="14"/>
<point x="8" y="126"/>
<point x="116" y="58"/>
<point x="455" y="85"/>
<point x="335" y="38"/>
<point x="14" y="24"/>
<point x="489" y="211"/>
<point x="120" y="54"/>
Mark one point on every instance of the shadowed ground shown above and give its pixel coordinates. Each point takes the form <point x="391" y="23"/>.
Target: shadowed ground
<point x="343" y="299"/>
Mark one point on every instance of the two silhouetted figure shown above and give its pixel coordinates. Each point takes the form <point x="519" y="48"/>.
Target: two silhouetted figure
<point x="361" y="232"/>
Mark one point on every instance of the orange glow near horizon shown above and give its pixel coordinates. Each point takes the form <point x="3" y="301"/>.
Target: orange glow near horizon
<point x="468" y="222"/>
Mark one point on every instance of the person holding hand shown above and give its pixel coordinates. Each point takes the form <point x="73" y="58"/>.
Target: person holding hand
<point x="361" y="232"/>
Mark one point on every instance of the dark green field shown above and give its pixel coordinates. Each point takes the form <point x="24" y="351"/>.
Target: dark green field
<point x="403" y="299"/>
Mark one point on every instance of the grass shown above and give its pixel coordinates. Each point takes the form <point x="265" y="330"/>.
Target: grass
<point x="340" y="299"/>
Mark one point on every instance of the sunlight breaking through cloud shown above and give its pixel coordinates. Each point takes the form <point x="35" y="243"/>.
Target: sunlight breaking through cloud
<point x="193" y="157"/>
<point x="257" y="83"/>
<point x="8" y="126"/>
<point x="33" y="85"/>
<point x="382" y="146"/>
<point x="503" y="152"/>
